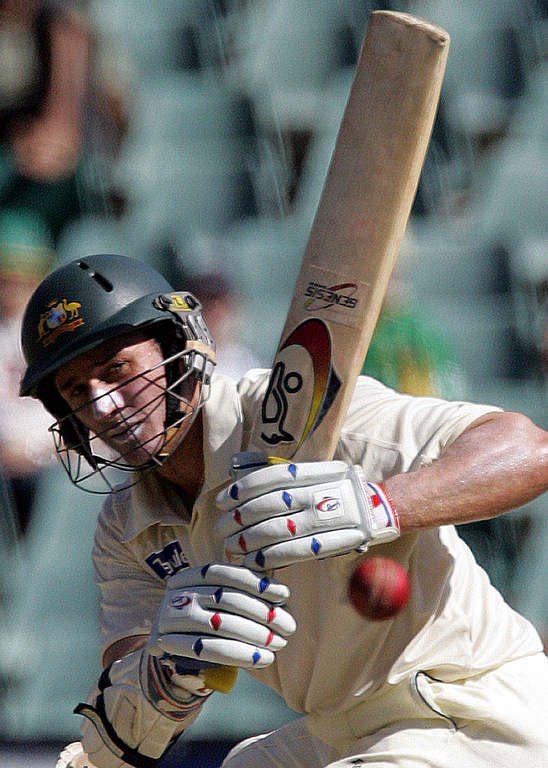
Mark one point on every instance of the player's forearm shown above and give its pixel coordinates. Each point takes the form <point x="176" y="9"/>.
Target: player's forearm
<point x="154" y="688"/>
<point x="135" y="712"/>
<point x="122" y="648"/>
<point x="498" y="464"/>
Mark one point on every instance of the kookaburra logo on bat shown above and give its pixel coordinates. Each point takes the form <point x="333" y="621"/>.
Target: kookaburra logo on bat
<point x="285" y="385"/>
<point x="276" y="405"/>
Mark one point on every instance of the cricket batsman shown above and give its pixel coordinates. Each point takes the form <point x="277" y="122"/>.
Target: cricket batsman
<point x="201" y="571"/>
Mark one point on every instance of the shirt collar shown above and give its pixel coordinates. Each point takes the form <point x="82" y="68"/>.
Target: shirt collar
<point x="154" y="501"/>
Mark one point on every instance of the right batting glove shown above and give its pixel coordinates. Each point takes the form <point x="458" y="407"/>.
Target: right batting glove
<point x="288" y="512"/>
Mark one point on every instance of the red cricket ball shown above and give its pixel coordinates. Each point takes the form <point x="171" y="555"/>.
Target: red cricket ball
<point x="379" y="588"/>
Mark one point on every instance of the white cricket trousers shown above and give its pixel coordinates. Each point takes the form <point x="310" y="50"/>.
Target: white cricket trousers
<point x="495" y="720"/>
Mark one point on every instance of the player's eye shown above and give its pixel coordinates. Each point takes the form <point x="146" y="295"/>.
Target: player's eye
<point x="116" y="370"/>
<point x="78" y="392"/>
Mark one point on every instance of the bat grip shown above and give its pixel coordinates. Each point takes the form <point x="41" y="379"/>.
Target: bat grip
<point x="245" y="462"/>
<point x="219" y="677"/>
<point x="216" y="676"/>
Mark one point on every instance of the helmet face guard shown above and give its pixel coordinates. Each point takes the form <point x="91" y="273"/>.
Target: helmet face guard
<point x="84" y="304"/>
<point x="94" y="465"/>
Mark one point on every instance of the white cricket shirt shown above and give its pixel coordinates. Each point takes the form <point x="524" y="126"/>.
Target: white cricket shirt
<point x="455" y="624"/>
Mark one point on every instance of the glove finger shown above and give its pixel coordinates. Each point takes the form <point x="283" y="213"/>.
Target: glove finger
<point x="285" y="528"/>
<point x="184" y="614"/>
<point x="315" y="547"/>
<point x="327" y="501"/>
<point x="280" y="476"/>
<point x="235" y="653"/>
<point x="262" y="508"/>
<point x="231" y="601"/>
<point x="224" y="575"/>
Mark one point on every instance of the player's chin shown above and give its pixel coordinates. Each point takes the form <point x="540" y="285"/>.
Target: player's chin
<point x="137" y="454"/>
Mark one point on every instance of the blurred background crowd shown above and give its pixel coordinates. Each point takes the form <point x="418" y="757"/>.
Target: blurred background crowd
<point x="196" y="135"/>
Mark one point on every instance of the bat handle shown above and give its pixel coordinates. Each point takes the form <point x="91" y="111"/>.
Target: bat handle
<point x="245" y="462"/>
<point x="216" y="676"/>
<point x="220" y="678"/>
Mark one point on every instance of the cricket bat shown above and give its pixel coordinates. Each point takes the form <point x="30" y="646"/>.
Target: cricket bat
<point x="354" y="242"/>
<point x="355" y="237"/>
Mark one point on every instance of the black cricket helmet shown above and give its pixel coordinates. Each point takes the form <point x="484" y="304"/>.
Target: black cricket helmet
<point x="93" y="299"/>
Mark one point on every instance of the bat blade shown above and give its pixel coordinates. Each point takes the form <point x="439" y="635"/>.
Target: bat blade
<point x="355" y="237"/>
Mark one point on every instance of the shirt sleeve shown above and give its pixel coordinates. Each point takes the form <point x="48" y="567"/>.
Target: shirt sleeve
<point x="388" y="432"/>
<point x="384" y="431"/>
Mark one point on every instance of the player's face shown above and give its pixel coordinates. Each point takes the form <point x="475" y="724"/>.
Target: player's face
<point x="117" y="391"/>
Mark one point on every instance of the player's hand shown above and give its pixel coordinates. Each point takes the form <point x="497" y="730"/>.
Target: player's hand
<point x="289" y="512"/>
<point x="224" y="614"/>
<point x="211" y="618"/>
<point x="73" y="756"/>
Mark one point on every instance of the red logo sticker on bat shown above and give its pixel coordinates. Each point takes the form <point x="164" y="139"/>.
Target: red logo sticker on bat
<point x="314" y="338"/>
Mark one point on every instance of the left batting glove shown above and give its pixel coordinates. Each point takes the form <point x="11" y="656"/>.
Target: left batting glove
<point x="211" y="619"/>
<point x="286" y="512"/>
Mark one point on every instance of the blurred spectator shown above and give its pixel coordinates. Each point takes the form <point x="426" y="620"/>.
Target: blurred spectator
<point x="222" y="315"/>
<point x="25" y="443"/>
<point x="48" y="102"/>
<point x="408" y="352"/>
<point x="42" y="119"/>
<point x="44" y="55"/>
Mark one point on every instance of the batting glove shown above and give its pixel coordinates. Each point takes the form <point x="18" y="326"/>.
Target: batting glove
<point x="285" y="513"/>
<point x="223" y="614"/>
<point x="211" y="620"/>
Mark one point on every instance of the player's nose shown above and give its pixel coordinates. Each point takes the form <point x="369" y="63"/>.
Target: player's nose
<point x="105" y="402"/>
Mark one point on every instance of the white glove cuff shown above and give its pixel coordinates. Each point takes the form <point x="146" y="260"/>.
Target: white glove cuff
<point x="380" y="520"/>
<point x="173" y="691"/>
